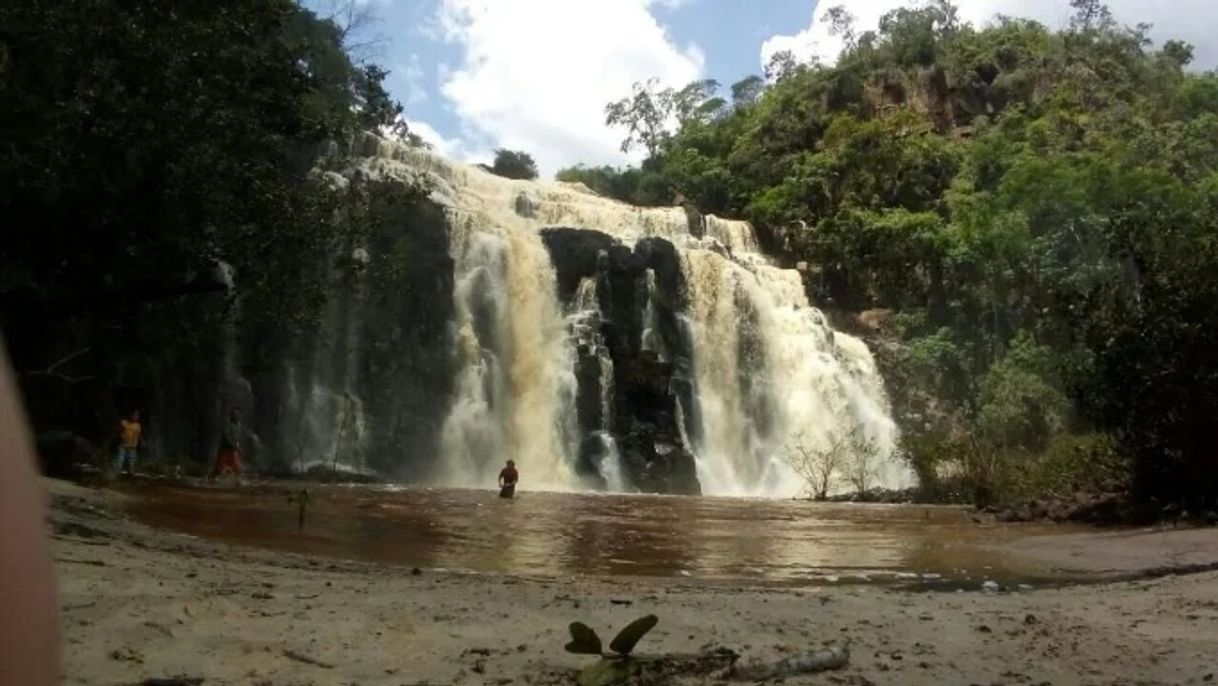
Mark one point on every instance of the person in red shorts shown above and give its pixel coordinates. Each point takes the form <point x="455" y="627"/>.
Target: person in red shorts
<point x="228" y="460"/>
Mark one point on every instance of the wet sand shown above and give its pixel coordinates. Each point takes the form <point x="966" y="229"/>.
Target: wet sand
<point x="140" y="602"/>
<point x="1122" y="553"/>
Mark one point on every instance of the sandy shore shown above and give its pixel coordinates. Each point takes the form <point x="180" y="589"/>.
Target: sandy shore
<point x="140" y="604"/>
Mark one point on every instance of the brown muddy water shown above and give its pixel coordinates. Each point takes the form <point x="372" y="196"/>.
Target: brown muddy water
<point x="704" y="539"/>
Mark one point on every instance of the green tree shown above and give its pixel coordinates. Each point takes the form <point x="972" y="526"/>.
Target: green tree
<point x="781" y="66"/>
<point x="841" y="23"/>
<point x="514" y="164"/>
<point x="747" y="91"/>
<point x="643" y="114"/>
<point x="157" y="151"/>
<point x="1035" y="206"/>
<point x="695" y="103"/>
<point x="1179" y="53"/>
<point x="646" y="113"/>
<point x="1019" y="404"/>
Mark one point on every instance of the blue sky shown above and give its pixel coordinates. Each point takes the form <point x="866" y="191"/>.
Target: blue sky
<point x="430" y="41"/>
<point x="535" y="74"/>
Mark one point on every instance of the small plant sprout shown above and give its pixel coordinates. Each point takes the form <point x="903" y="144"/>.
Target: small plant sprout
<point x="614" y="666"/>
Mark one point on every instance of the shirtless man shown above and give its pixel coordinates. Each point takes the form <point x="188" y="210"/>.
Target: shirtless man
<point x="508" y="477"/>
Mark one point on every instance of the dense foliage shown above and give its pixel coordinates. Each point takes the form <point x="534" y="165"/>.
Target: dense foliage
<point x="513" y="164"/>
<point x="646" y="186"/>
<point x="1026" y="216"/>
<point x="155" y="153"/>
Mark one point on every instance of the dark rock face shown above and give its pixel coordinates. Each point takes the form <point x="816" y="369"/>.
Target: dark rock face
<point x="371" y="388"/>
<point x="407" y="367"/>
<point x="648" y="381"/>
<point x="697" y="223"/>
<point x="576" y="254"/>
<point x="369" y="391"/>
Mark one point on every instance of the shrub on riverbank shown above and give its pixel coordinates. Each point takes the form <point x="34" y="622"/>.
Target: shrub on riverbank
<point x="963" y="470"/>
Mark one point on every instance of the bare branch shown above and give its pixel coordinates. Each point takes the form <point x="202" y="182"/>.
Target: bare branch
<point x="817" y="465"/>
<point x="865" y="454"/>
<point x="358" y="27"/>
<point x="50" y="372"/>
<point x="67" y="359"/>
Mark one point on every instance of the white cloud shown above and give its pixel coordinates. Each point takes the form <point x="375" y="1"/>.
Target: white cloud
<point x="1189" y="20"/>
<point x="460" y="148"/>
<point x="671" y="4"/>
<point x="536" y="74"/>
<point x="429" y="134"/>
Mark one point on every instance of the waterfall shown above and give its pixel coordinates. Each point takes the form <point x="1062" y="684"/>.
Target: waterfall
<point x="728" y="449"/>
<point x="327" y="426"/>
<point x="515" y="384"/>
<point x="611" y="465"/>
<point x="771" y="372"/>
<point x="585" y="321"/>
<point x="651" y="339"/>
<point x="738" y="364"/>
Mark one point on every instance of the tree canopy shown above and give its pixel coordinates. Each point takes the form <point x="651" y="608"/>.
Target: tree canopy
<point x="514" y="164"/>
<point x="156" y="150"/>
<point x="1032" y="210"/>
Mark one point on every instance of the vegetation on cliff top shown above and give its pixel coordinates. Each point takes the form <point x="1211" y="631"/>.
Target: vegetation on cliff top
<point x="1030" y="212"/>
<point x="513" y="164"/>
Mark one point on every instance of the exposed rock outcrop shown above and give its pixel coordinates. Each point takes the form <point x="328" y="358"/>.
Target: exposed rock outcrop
<point x="649" y="378"/>
<point x="369" y="390"/>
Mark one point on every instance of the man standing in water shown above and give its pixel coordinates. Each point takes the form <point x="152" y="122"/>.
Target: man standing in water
<point x="508" y="476"/>
<point x="228" y="460"/>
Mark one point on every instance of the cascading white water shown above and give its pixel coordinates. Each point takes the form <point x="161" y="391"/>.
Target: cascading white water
<point x="770" y="373"/>
<point x="585" y="324"/>
<point x="330" y="427"/>
<point x="651" y="339"/>
<point x="611" y="464"/>
<point x="515" y="386"/>
<point x="768" y="370"/>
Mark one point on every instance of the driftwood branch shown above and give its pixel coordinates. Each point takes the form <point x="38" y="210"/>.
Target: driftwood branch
<point x="832" y="657"/>
<point x="52" y="373"/>
<point x="307" y="659"/>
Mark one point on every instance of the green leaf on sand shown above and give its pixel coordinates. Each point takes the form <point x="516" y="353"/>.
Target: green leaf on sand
<point x="626" y="639"/>
<point x="584" y="640"/>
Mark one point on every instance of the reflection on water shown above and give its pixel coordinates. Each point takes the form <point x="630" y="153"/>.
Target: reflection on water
<point x="558" y="534"/>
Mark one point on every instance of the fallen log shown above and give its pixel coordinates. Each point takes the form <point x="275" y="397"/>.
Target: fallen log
<point x="308" y="660"/>
<point x="832" y="657"/>
<point x="645" y="670"/>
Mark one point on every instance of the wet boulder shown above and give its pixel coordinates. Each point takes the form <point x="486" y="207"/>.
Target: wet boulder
<point x="575" y="254"/>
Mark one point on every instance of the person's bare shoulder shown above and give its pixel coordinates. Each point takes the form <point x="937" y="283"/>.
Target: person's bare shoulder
<point x="29" y="633"/>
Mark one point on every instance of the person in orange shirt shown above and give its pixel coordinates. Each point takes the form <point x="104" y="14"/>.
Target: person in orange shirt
<point x="129" y="430"/>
